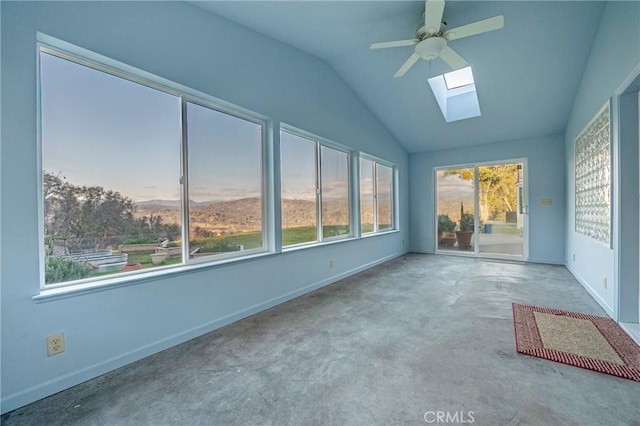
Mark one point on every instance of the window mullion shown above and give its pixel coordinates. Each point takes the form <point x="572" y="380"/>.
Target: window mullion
<point x="476" y="207"/>
<point x="355" y="209"/>
<point x="393" y="198"/>
<point x="318" y="194"/>
<point x="272" y="187"/>
<point x="184" y="181"/>
<point x="376" y="228"/>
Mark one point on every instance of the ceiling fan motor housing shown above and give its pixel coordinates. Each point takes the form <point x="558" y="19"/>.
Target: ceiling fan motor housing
<point x="421" y="32"/>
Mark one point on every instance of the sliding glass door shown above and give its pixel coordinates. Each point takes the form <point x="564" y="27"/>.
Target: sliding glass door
<point x="481" y="210"/>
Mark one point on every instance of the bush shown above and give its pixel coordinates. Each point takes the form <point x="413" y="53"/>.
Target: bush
<point x="59" y="270"/>
<point x="466" y="222"/>
<point x="445" y="224"/>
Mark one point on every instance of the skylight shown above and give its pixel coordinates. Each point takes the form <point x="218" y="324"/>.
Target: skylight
<point x="459" y="78"/>
<point x="456" y="94"/>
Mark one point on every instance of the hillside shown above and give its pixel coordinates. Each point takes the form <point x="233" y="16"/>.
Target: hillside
<point x="243" y="215"/>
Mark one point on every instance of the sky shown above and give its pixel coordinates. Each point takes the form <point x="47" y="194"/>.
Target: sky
<point x="103" y="130"/>
<point x="453" y="187"/>
<point x="225" y="155"/>
<point x="366" y="183"/>
<point x="98" y="129"/>
<point x="298" y="166"/>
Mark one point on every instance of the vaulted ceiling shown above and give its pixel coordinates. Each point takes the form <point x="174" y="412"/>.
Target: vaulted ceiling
<point x="527" y="74"/>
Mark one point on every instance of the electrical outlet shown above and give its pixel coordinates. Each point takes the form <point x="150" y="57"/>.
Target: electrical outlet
<point x="331" y="264"/>
<point x="604" y="282"/>
<point x="55" y="344"/>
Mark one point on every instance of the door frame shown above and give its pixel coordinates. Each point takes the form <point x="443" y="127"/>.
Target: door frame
<point x="476" y="200"/>
<point x="625" y="123"/>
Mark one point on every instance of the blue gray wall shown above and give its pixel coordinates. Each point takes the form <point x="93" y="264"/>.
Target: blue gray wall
<point x="546" y="173"/>
<point x="614" y="56"/>
<point x="107" y="329"/>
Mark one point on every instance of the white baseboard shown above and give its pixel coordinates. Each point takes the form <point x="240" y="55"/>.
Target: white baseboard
<point x="546" y="261"/>
<point x="58" y="384"/>
<point x="608" y="309"/>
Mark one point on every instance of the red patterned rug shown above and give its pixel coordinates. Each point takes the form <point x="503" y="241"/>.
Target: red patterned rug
<point x="586" y="341"/>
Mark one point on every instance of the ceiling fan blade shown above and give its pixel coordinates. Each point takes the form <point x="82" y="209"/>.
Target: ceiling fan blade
<point x="399" y="43"/>
<point x="474" y="28"/>
<point x="433" y="11"/>
<point x="452" y="58"/>
<point x="405" y="67"/>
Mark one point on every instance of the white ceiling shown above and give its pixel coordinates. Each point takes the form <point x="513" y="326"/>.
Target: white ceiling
<point x="527" y="74"/>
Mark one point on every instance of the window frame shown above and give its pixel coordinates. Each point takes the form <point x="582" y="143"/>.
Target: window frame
<point x="83" y="57"/>
<point x="316" y="174"/>
<point x="185" y="180"/>
<point x="394" y="197"/>
<point x="319" y="143"/>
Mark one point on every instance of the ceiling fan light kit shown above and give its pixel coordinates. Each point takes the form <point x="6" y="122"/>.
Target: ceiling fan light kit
<point x="432" y="38"/>
<point x="431" y="48"/>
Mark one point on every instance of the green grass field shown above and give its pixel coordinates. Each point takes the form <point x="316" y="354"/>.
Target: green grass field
<point x="366" y="228"/>
<point x="249" y="240"/>
<point x="305" y="234"/>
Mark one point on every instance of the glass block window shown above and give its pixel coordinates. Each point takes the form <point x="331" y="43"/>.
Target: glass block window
<point x="593" y="178"/>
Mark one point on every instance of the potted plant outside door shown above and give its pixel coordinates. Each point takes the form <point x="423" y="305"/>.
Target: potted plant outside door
<point x="465" y="229"/>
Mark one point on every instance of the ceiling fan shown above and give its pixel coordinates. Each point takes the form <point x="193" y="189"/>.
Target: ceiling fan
<point x="432" y="38"/>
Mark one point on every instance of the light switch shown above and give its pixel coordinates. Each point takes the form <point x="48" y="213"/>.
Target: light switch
<point x="545" y="201"/>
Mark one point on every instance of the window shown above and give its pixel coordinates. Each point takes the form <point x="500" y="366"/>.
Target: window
<point x="111" y="172"/>
<point x="299" y="203"/>
<point x="334" y="190"/>
<point x="113" y="160"/>
<point x="376" y="196"/>
<point x="225" y="182"/>
<point x="313" y="175"/>
<point x="367" y="198"/>
<point x="384" y="197"/>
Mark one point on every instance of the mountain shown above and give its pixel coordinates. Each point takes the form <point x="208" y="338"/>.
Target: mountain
<point x="242" y="215"/>
<point x="170" y="203"/>
<point x="159" y="203"/>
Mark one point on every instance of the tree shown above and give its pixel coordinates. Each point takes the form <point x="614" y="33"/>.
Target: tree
<point x="91" y="217"/>
<point x="85" y="217"/>
<point x="497" y="188"/>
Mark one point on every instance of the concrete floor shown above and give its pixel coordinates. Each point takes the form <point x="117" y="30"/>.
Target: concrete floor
<point x="419" y="334"/>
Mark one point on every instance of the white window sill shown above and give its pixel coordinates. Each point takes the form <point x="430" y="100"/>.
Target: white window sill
<point x="302" y="246"/>
<point x="375" y="234"/>
<point x="336" y="241"/>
